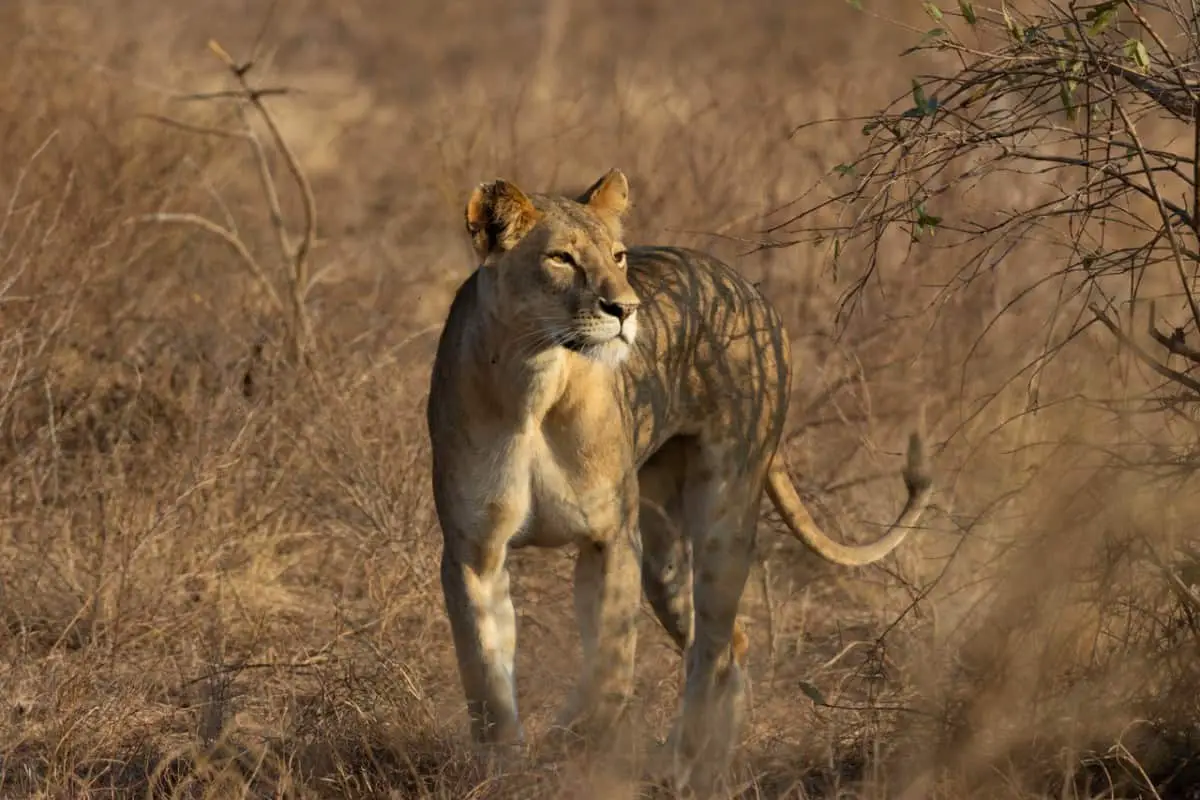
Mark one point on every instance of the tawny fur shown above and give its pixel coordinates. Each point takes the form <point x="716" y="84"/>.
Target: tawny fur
<point x="628" y="402"/>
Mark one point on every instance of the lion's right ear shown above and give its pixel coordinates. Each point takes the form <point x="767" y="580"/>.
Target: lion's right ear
<point x="609" y="195"/>
<point x="498" y="216"/>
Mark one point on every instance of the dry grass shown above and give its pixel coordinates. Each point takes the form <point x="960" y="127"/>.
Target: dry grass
<point x="218" y="571"/>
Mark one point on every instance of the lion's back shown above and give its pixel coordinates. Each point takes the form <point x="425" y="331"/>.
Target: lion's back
<point x="712" y="350"/>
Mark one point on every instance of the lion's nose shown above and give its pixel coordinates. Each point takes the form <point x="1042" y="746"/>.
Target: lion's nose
<point x="621" y="311"/>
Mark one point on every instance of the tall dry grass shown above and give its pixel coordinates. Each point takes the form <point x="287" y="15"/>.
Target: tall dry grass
<point x="217" y="567"/>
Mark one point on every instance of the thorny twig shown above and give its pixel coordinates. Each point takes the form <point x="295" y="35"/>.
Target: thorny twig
<point x="1056" y="83"/>
<point x="294" y="251"/>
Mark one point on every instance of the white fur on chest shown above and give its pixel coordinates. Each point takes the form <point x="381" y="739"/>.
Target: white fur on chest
<point x="568" y="505"/>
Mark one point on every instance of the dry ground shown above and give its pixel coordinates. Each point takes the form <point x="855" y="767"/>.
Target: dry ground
<point x="218" y="573"/>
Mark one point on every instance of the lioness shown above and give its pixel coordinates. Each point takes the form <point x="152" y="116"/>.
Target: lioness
<point x="576" y="383"/>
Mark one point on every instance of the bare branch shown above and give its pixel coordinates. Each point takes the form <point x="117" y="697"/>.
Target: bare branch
<point x="1143" y="356"/>
<point x="225" y="235"/>
<point x="298" y="257"/>
<point x="1175" y="342"/>
<point x="1168" y="96"/>
<point x="190" y="128"/>
<point x="236" y="94"/>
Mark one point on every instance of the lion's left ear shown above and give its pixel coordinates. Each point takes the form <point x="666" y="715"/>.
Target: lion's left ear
<point x="498" y="215"/>
<point x="609" y="195"/>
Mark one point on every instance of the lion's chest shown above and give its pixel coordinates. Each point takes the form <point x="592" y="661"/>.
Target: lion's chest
<point x="578" y="490"/>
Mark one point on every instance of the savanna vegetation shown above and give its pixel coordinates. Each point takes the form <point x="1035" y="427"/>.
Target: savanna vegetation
<point x="229" y="231"/>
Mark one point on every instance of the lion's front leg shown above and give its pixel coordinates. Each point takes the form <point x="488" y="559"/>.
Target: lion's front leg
<point x="607" y="596"/>
<point x="476" y="590"/>
<point x="483" y="623"/>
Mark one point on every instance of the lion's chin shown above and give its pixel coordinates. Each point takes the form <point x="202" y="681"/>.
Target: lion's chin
<point x="610" y="352"/>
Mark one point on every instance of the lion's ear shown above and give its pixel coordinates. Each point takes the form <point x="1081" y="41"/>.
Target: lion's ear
<point x="498" y="216"/>
<point x="609" y="195"/>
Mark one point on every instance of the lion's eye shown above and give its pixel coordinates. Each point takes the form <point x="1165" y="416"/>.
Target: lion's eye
<point x="619" y="257"/>
<point x="562" y="257"/>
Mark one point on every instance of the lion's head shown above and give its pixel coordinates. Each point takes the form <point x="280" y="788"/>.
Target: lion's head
<point x="559" y="265"/>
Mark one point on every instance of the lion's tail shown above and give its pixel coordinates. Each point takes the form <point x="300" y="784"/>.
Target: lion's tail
<point x="800" y="522"/>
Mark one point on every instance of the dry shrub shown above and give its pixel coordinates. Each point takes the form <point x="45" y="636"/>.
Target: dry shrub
<point x="1064" y="625"/>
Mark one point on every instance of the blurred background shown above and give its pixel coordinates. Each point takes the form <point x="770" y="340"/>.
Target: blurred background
<point x="218" y="565"/>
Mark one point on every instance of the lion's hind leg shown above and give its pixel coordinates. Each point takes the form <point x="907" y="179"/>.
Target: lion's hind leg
<point x="721" y="503"/>
<point x="666" y="555"/>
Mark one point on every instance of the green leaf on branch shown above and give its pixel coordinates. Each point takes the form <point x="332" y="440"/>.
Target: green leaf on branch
<point x="844" y="169"/>
<point x="1136" y="52"/>
<point x="1101" y="16"/>
<point x="1067" y="86"/>
<point x="926" y="222"/>
<point x="968" y="11"/>
<point x="932" y="33"/>
<point x="933" y="11"/>
<point x="922" y="105"/>
<point x="812" y="693"/>
<point x="918" y="95"/>
<point x="855" y="4"/>
<point x="980" y="91"/>
<point x="1014" y="30"/>
<point x="1065" y="94"/>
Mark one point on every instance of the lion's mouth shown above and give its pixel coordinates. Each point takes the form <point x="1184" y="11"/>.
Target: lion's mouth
<point x="576" y="344"/>
<point x="613" y="347"/>
<point x="584" y="344"/>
